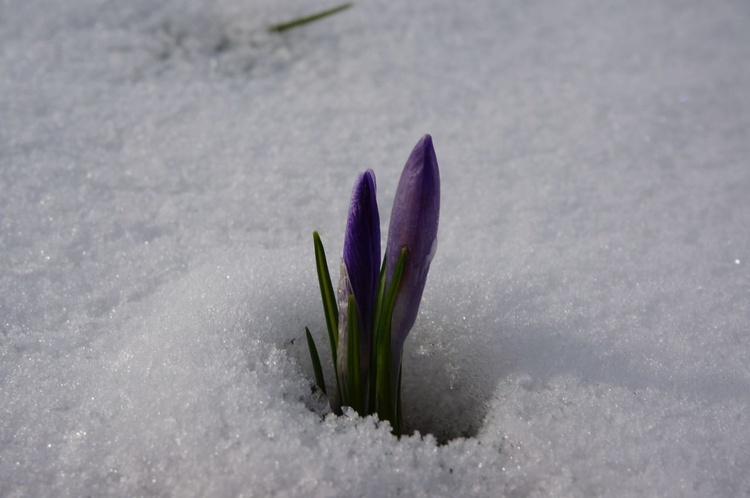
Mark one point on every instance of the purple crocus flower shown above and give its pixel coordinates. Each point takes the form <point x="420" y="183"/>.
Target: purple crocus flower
<point x="360" y="268"/>
<point x="414" y="225"/>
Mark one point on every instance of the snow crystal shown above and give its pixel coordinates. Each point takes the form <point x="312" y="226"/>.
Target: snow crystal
<point x="584" y="329"/>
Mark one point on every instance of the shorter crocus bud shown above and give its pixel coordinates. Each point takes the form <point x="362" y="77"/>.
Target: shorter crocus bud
<point x="413" y="225"/>
<point x="359" y="270"/>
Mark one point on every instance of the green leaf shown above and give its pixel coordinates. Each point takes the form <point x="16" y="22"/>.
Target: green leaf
<point x="386" y="401"/>
<point x="390" y="299"/>
<point x="316" y="362"/>
<point x="354" y="394"/>
<point x="372" y="403"/>
<point x="397" y="427"/>
<point x="279" y="28"/>
<point x="330" y="309"/>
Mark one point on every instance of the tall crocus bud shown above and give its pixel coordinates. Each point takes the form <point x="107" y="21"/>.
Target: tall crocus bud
<point x="414" y="225"/>
<point x="360" y="268"/>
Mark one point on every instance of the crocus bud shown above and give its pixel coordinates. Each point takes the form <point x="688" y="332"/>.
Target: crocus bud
<point x="360" y="268"/>
<point x="414" y="225"/>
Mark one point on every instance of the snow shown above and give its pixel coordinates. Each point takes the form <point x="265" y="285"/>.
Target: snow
<point x="585" y="325"/>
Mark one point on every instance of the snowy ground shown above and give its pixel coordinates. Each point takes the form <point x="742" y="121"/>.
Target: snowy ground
<point x="586" y="323"/>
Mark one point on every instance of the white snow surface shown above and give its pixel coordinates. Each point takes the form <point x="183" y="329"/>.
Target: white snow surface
<point x="585" y="330"/>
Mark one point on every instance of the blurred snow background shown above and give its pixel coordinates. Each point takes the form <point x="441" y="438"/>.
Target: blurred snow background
<point x="585" y="327"/>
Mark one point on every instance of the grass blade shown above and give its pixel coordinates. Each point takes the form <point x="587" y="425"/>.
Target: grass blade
<point x="280" y="28"/>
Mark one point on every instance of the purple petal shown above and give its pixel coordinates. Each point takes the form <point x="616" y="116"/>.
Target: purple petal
<point x="362" y="255"/>
<point x="414" y="225"/>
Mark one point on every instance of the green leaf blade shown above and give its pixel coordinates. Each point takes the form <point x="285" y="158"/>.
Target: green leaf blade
<point x="352" y="357"/>
<point x="330" y="309"/>
<point x="385" y="388"/>
<point x="317" y="369"/>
